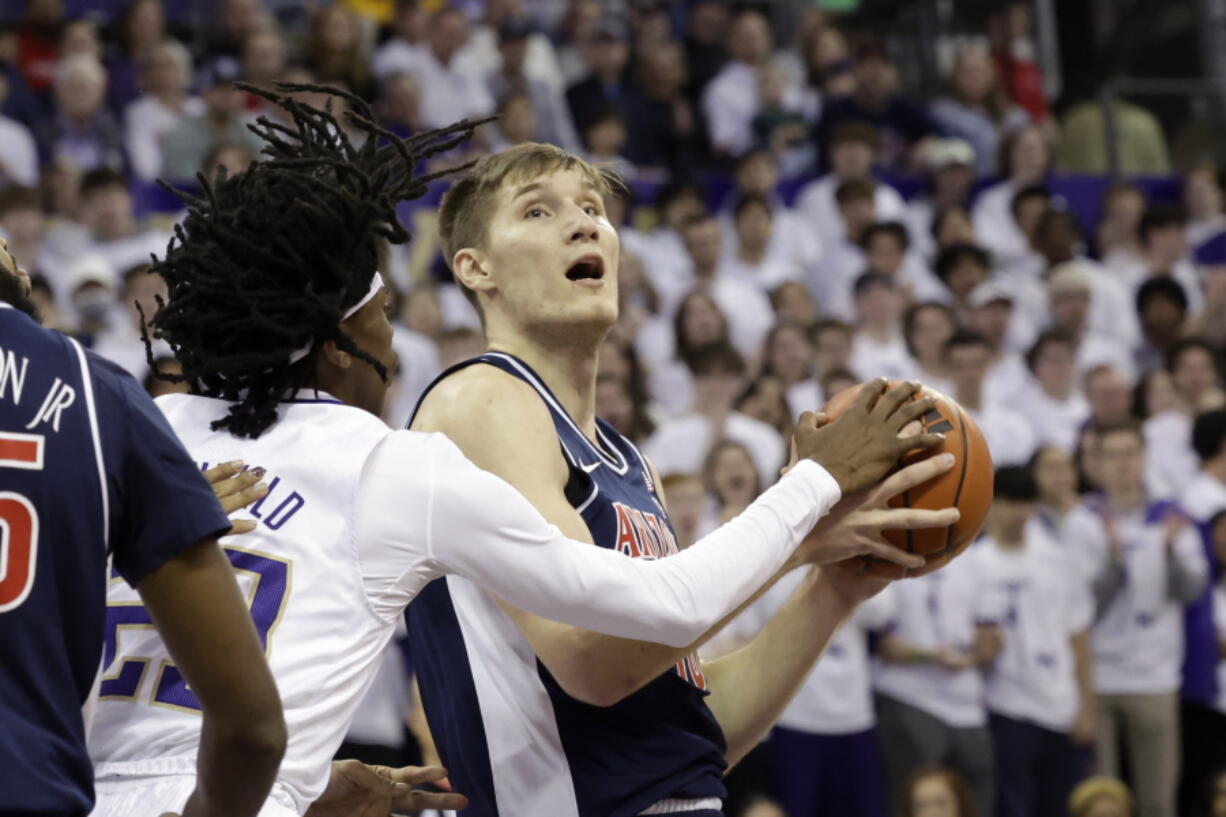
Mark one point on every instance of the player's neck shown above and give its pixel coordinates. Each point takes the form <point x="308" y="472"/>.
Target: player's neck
<point x="568" y="369"/>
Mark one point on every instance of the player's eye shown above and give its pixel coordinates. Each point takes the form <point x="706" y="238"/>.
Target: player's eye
<point x="534" y="212"/>
<point x="591" y="210"/>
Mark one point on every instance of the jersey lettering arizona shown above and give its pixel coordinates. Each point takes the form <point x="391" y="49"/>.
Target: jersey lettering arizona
<point x="513" y="741"/>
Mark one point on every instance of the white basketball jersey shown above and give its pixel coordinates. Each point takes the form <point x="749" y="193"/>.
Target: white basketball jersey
<point x="300" y="572"/>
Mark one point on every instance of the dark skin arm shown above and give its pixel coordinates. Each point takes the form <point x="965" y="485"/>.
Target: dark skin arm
<point x="201" y="615"/>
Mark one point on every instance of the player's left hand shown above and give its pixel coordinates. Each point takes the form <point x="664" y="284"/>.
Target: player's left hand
<point x="357" y="790"/>
<point x="236" y="489"/>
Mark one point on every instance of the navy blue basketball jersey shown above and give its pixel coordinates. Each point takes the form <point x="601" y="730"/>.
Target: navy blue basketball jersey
<point x="88" y="468"/>
<point x="513" y="741"/>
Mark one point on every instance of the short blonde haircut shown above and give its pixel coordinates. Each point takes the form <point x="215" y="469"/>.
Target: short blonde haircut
<point x="468" y="207"/>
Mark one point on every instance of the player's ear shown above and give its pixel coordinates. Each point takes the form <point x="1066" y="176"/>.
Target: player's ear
<point x="472" y="269"/>
<point x="335" y="355"/>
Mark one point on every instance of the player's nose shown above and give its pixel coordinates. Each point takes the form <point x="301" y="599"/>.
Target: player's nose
<point x="580" y="226"/>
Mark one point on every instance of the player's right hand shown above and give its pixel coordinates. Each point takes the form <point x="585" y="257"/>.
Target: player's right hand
<point x="236" y="489"/>
<point x="357" y="790"/>
<point x="863" y="444"/>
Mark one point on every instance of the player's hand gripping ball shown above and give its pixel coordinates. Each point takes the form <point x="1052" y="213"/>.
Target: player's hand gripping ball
<point x="967" y="486"/>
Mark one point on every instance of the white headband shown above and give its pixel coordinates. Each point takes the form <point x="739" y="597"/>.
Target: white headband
<point x="376" y="284"/>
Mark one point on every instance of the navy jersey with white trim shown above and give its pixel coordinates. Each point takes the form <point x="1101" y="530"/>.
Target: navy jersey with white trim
<point x="88" y="468"/>
<point x="659" y="743"/>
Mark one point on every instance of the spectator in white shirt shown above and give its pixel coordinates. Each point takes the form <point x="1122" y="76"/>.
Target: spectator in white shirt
<point x="926" y="327"/>
<point x="788" y="355"/>
<point x="991" y="315"/>
<point x="1162" y="309"/>
<point x="1197" y="380"/>
<point x="107" y="212"/>
<point x="745" y="305"/>
<point x="887" y="249"/>
<point x="1025" y="160"/>
<point x="1070" y="301"/>
<point x="827" y="757"/>
<point x="698" y="321"/>
<point x="680" y="445"/>
<point x="832" y="345"/>
<point x="1118" y="239"/>
<point x="878" y="349"/>
<point x="929" y="682"/>
<point x="451" y="88"/>
<point x="408" y="37"/>
<point x="1154" y="566"/>
<point x="512" y="76"/>
<point x="669" y="267"/>
<point x="951" y="178"/>
<point x="793" y="303"/>
<point x="1109" y="395"/>
<point x="120" y="341"/>
<point x="18" y="150"/>
<point x="162" y="107"/>
<point x="792" y="239"/>
<point x="1010" y="439"/>
<point x="730" y="100"/>
<point x="1055" y="475"/>
<point x="853" y="152"/>
<point x="750" y="259"/>
<point x="842" y="260"/>
<point x="1055" y="408"/>
<point x="962" y="268"/>
<point x="483" y="53"/>
<point x="1059" y="242"/>
<point x="1164" y="244"/>
<point x="731" y="480"/>
<point x="1039" y="692"/>
<point x="1202" y="198"/>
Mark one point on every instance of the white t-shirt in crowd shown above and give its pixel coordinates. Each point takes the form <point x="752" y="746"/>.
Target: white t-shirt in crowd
<point x="730" y="102"/>
<point x="680" y="446"/>
<point x="1010" y="438"/>
<point x="1055" y="422"/>
<point x="941" y="611"/>
<point x="147" y="120"/>
<point x="1172" y="464"/>
<point x="820" y="210"/>
<point x="871" y="358"/>
<point x="1045" y="603"/>
<point x="449" y="92"/>
<point x="20" y="153"/>
<point x="836" y="698"/>
<point x="1219" y="627"/>
<point x="1138" y="640"/>
<point x="995" y="228"/>
<point x="1203" y="497"/>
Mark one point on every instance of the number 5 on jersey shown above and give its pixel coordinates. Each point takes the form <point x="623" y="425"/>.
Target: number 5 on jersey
<point x="18" y="521"/>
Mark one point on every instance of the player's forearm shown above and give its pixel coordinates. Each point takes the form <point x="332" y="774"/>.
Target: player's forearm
<point x="236" y="767"/>
<point x="1083" y="666"/>
<point x="751" y="687"/>
<point x="675" y="601"/>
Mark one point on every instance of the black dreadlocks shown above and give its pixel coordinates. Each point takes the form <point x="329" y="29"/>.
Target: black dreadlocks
<point x="267" y="262"/>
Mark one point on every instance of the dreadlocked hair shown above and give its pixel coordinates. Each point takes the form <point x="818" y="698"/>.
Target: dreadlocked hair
<point x="263" y="267"/>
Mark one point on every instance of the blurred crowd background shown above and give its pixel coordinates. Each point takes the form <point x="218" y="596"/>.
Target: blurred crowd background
<point x="1018" y="203"/>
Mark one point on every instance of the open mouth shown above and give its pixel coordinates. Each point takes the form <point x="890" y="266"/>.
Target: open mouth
<point x="587" y="268"/>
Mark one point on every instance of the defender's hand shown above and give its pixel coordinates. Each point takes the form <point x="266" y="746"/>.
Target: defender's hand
<point x="863" y="444"/>
<point x="853" y="527"/>
<point x="357" y="790"/>
<point x="236" y="489"/>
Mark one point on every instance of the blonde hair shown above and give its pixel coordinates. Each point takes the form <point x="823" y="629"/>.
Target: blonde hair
<point x="468" y="207"/>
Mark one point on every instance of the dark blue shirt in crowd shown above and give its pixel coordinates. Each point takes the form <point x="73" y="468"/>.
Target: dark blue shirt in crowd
<point x="899" y="124"/>
<point x="88" y="468"/>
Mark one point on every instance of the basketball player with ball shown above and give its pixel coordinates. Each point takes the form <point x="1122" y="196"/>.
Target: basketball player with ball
<point x="536" y="717"/>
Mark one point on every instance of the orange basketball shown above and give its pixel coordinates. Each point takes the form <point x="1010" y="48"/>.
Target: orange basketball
<point x="967" y="486"/>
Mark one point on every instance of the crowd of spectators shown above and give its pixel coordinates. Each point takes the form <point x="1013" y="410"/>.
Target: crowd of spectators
<point x="796" y="221"/>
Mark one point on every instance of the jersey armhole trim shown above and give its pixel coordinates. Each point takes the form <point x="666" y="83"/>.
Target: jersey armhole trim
<point x="91" y="409"/>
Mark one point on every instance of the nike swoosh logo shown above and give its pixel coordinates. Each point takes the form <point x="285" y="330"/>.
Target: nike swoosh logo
<point x="589" y="467"/>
